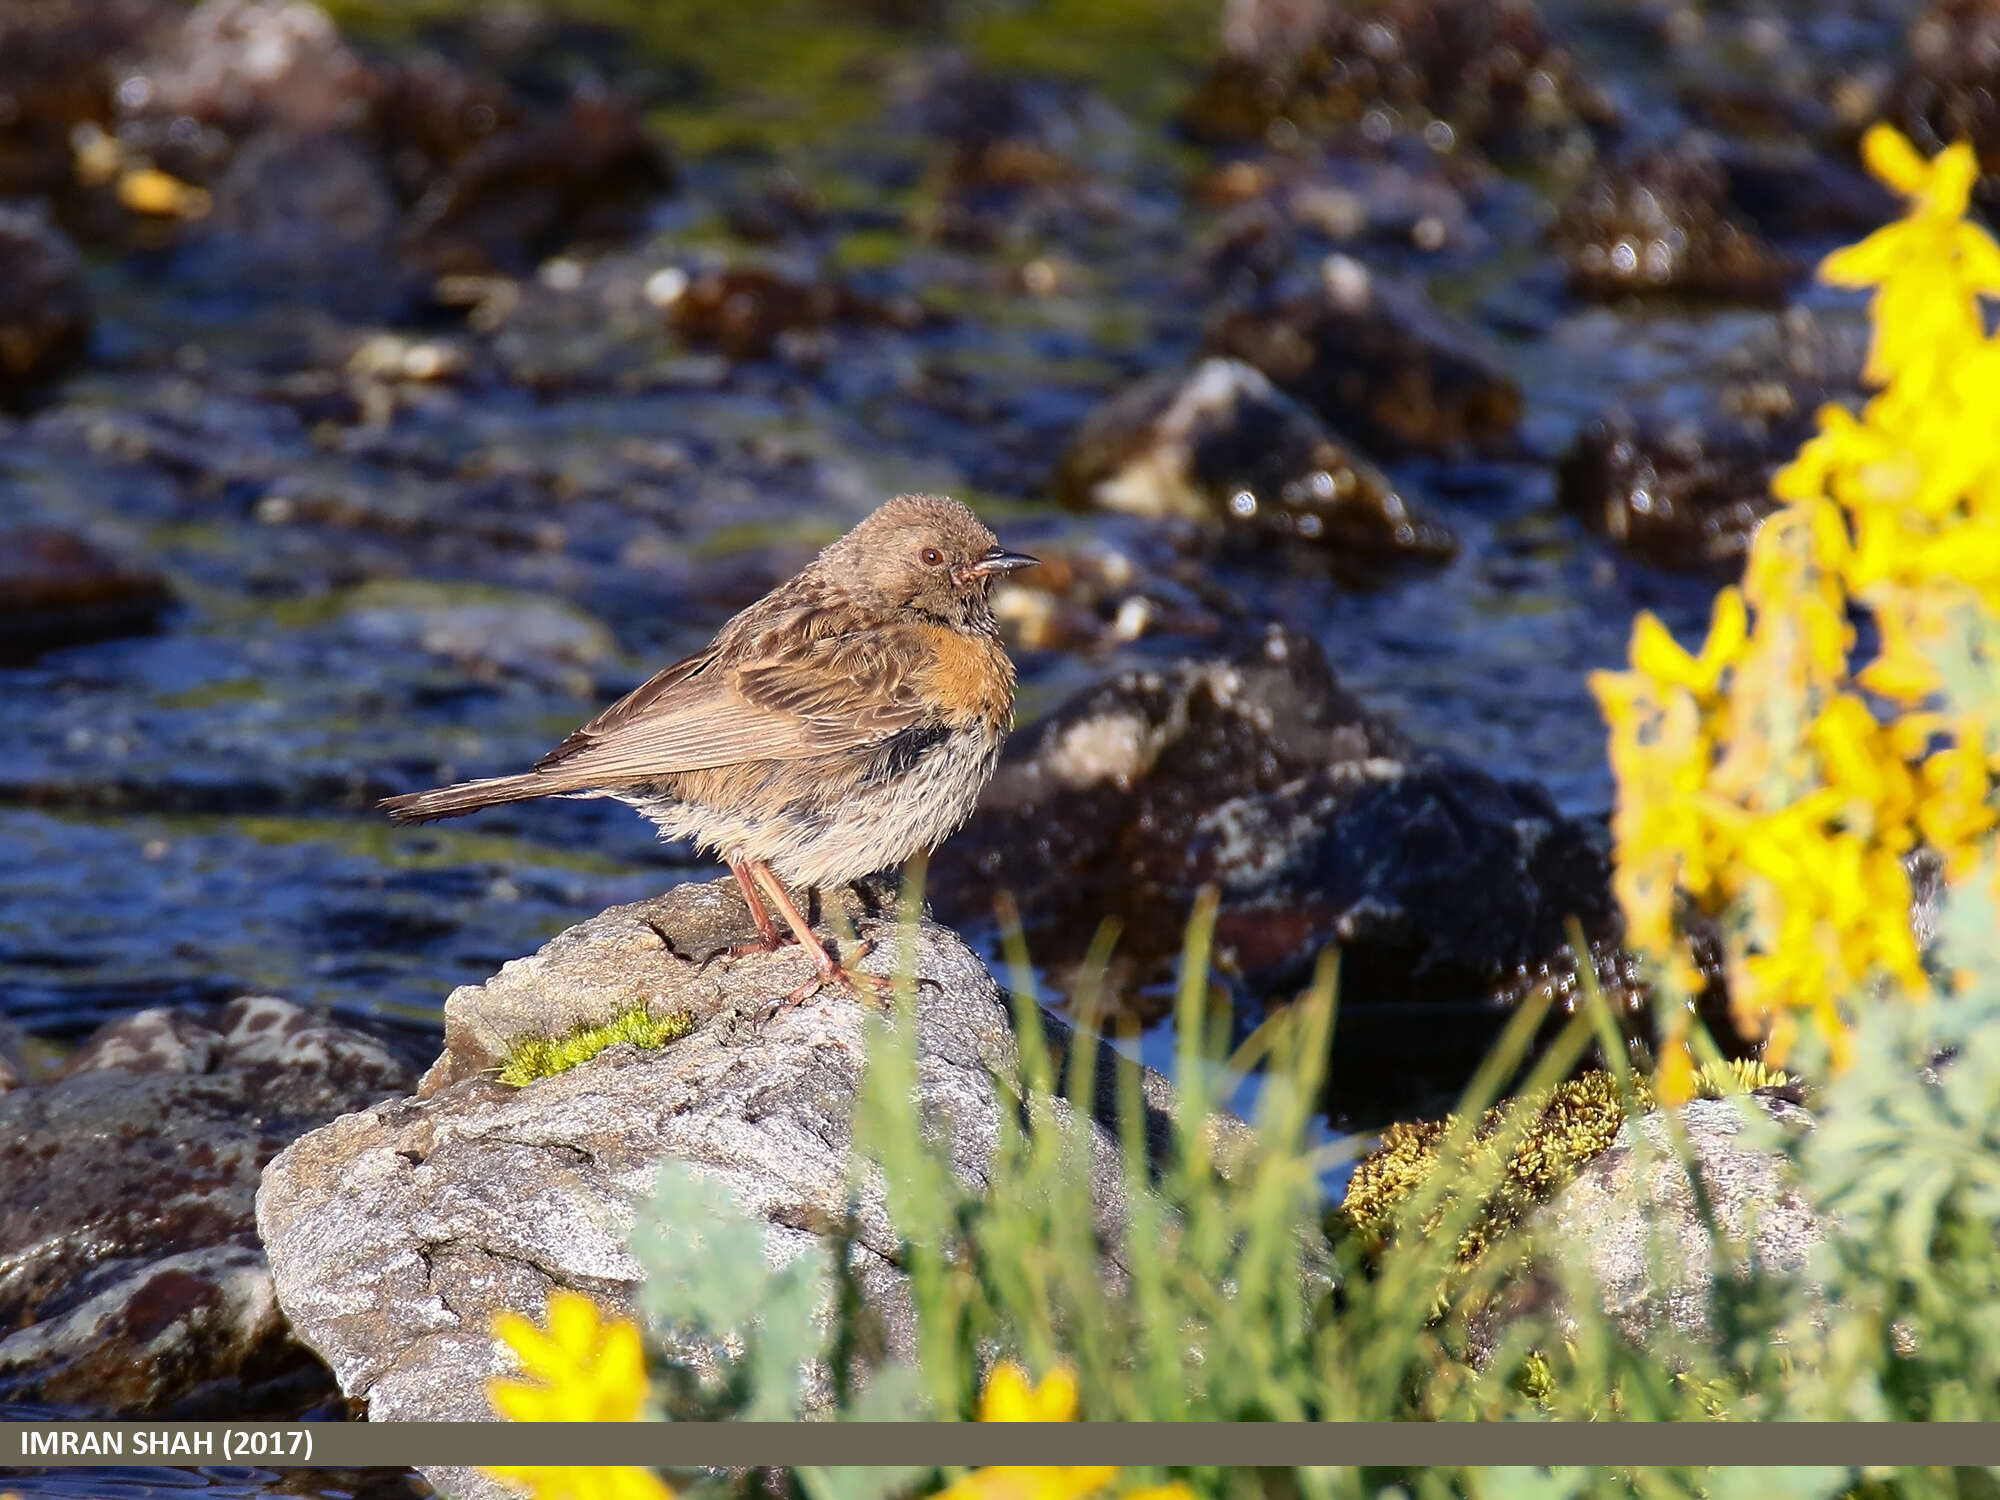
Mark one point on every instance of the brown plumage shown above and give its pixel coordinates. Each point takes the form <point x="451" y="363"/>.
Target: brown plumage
<point x="841" y="724"/>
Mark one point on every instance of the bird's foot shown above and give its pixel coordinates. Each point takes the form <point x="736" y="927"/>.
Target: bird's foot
<point x="869" y="989"/>
<point x="734" y="951"/>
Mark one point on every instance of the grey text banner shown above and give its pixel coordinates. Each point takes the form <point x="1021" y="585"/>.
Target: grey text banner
<point x="731" y="1444"/>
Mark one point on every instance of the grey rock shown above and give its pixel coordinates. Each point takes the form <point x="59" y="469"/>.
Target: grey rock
<point x="131" y="1282"/>
<point x="1609" y="1217"/>
<point x="396" y="1234"/>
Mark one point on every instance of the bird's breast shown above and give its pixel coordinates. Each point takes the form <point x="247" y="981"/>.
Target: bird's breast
<point x="969" y="678"/>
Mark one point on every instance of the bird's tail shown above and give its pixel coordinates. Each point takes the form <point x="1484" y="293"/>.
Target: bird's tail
<point x="465" y="797"/>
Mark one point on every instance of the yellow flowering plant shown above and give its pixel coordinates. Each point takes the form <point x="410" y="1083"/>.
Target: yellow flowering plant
<point x="1777" y="781"/>
<point x="583" y="1368"/>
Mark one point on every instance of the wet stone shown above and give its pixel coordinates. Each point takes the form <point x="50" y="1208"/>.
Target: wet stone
<point x="1376" y="360"/>
<point x="45" y="312"/>
<point x="1662" y="223"/>
<point x="1221" y="447"/>
<point x="57" y="589"/>
<point x="55" y="74"/>
<point x="750" y="312"/>
<point x="133" y="1282"/>
<point x="1490" y="73"/>
<point x="1680" y="495"/>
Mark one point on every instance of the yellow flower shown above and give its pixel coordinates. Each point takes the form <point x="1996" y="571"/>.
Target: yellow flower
<point x="1010" y="1397"/>
<point x="584" y="1369"/>
<point x="1657" y="655"/>
<point x="574" y="1482"/>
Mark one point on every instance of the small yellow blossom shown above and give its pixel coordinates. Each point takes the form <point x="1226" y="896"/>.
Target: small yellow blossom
<point x="585" y="1368"/>
<point x="1010" y="1396"/>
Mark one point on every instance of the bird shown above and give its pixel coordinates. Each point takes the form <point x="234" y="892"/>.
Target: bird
<point x="840" y="725"/>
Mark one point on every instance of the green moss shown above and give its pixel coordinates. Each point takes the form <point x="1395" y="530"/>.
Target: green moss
<point x="1576" y="1120"/>
<point x="544" y="1057"/>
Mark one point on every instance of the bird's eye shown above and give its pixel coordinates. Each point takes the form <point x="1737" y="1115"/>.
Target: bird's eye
<point x="933" y="558"/>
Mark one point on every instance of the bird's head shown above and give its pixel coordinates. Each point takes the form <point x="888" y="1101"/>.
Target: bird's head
<point x="924" y="555"/>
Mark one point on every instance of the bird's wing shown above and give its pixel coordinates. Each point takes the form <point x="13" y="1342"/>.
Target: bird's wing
<point x="797" y="697"/>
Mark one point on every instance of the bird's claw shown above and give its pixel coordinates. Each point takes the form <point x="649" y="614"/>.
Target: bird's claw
<point x="734" y="951"/>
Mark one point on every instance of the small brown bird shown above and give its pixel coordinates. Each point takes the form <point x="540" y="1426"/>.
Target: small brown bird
<point x="841" y="724"/>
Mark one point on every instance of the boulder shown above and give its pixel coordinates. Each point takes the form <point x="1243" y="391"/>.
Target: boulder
<point x="131" y="1281"/>
<point x="1610" y="1217"/>
<point x="396" y="1234"/>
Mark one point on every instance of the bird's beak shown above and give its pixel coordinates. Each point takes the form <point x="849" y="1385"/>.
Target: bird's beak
<point x="1000" y="561"/>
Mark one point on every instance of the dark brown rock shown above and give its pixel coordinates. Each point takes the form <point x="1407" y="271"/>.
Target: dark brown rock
<point x="1488" y="69"/>
<point x="749" y="312"/>
<point x="45" y="313"/>
<point x="1221" y="447"/>
<point x="57" y="72"/>
<point x="131" y="1281"/>
<point x="1681" y="495"/>
<point x="1661" y="223"/>
<point x="1376" y="361"/>
<point x="56" y="589"/>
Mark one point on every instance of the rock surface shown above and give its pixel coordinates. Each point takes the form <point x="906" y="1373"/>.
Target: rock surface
<point x="1605" y="1214"/>
<point x="131" y="1282"/>
<point x="396" y="1234"/>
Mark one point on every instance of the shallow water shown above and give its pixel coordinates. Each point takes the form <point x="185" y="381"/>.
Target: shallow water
<point x="371" y="608"/>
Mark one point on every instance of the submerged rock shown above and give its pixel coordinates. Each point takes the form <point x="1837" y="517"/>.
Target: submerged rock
<point x="1376" y="361"/>
<point x="1487" y="73"/>
<point x="45" y="314"/>
<point x="1662" y="223"/>
<point x="131" y="1283"/>
<point x="396" y="1234"/>
<point x="57" y="589"/>
<point x="1221" y="447"/>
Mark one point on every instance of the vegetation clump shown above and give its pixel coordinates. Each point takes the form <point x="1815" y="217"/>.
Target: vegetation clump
<point x="1566" y="1126"/>
<point x="544" y="1057"/>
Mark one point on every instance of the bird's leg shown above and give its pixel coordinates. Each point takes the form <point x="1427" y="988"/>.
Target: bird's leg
<point x="769" y="940"/>
<point x="826" y="968"/>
